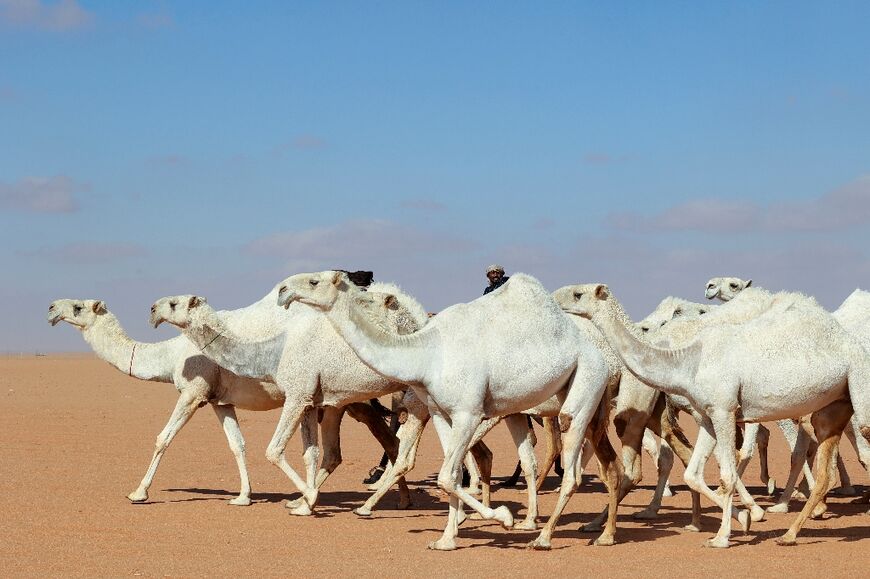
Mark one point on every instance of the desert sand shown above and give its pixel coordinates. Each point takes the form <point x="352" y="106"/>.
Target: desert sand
<point x="77" y="436"/>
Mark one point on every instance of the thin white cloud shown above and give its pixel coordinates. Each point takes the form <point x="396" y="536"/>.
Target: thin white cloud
<point x="63" y="15"/>
<point x="847" y="206"/>
<point x="86" y="252"/>
<point x="40" y="195"/>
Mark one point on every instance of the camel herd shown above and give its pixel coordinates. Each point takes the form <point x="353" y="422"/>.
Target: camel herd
<point x="317" y="345"/>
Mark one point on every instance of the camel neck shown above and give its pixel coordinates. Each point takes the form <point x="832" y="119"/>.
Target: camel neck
<point x="400" y="358"/>
<point x="667" y="370"/>
<point x="231" y="349"/>
<point x="146" y="361"/>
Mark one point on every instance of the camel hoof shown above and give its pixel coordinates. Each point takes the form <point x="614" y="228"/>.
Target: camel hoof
<point x="756" y="513"/>
<point x="527" y="525"/>
<point x="668" y="492"/>
<point x="771" y="486"/>
<point x="820" y="510"/>
<point x="241" y="501"/>
<point x="294" y="503"/>
<point x="646" y="514"/>
<point x="745" y="520"/>
<point x="362" y="512"/>
<point x="798" y="496"/>
<point x="540" y="544"/>
<point x="692" y="527"/>
<point x="504" y="516"/>
<point x="301" y="510"/>
<point x="442" y="545"/>
<point x="604" y="541"/>
<point x="138" y="497"/>
<point x="786" y="541"/>
<point x="716" y="543"/>
<point x="778" y="508"/>
<point x="475" y="516"/>
<point x="474" y="491"/>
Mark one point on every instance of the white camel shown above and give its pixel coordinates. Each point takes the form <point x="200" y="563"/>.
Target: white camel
<point x="303" y="355"/>
<point x="496" y="356"/>
<point x="198" y="380"/>
<point x="789" y="359"/>
<point x="853" y="314"/>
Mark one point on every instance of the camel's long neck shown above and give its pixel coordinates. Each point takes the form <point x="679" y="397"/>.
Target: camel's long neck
<point x="671" y="371"/>
<point x="146" y="361"/>
<point x="245" y="357"/>
<point x="400" y="358"/>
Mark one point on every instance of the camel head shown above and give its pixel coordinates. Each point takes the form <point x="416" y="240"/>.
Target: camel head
<point x="176" y="310"/>
<point x="319" y="290"/>
<point x="80" y="313"/>
<point x="671" y="308"/>
<point x="584" y="300"/>
<point x="387" y="311"/>
<point x="725" y="288"/>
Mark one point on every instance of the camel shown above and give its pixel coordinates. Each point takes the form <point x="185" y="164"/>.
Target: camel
<point x="789" y="359"/>
<point x="198" y="380"/>
<point x="495" y="356"/>
<point x="853" y="314"/>
<point x="303" y="355"/>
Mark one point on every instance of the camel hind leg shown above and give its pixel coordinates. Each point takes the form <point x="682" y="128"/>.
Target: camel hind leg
<point x="521" y="434"/>
<point x="553" y="439"/>
<point x="828" y="424"/>
<point x="227" y="417"/>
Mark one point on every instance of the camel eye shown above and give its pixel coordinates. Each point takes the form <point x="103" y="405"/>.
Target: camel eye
<point x="644" y="329"/>
<point x="678" y="312"/>
<point x="172" y="305"/>
<point x="733" y="285"/>
<point x="313" y="282"/>
<point x="578" y="295"/>
<point x="77" y="310"/>
<point x="710" y="286"/>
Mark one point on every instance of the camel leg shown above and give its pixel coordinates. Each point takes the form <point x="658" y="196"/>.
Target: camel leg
<point x="521" y="433"/>
<point x="184" y="409"/>
<point x="763" y="444"/>
<point x="747" y="449"/>
<point x="587" y="402"/>
<point x="663" y="455"/>
<point x="366" y="414"/>
<point x="553" y="439"/>
<point x="330" y="428"/>
<point x="695" y="479"/>
<point x="456" y="438"/>
<point x="227" y="417"/>
<point x="800" y="446"/>
<point x="473" y="474"/>
<point x="828" y="424"/>
<point x="724" y="427"/>
<point x="291" y="415"/>
<point x="483" y="458"/>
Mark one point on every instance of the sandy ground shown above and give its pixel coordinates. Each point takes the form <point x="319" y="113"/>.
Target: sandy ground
<point x="77" y="436"/>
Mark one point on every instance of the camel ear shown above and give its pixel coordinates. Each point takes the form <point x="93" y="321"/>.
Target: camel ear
<point x="748" y="283"/>
<point x="336" y="278"/>
<point x="391" y="302"/>
<point x="99" y="307"/>
<point x="602" y="291"/>
<point x="194" y="302"/>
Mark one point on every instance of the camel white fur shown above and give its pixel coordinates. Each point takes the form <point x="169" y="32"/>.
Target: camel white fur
<point x="789" y="359"/>
<point x="301" y="353"/>
<point x="496" y="356"/>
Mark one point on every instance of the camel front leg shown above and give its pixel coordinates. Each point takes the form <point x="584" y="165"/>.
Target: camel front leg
<point x="828" y="424"/>
<point x="184" y="409"/>
<point x="291" y="416"/>
<point x="456" y="438"/>
<point x="227" y="417"/>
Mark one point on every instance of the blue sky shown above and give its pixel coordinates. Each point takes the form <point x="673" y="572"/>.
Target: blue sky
<point x="156" y="148"/>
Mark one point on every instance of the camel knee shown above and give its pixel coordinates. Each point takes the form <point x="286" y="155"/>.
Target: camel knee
<point x="865" y="432"/>
<point x="446" y="483"/>
<point x="274" y="455"/>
